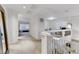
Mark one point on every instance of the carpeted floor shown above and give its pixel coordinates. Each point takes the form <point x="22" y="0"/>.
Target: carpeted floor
<point x="26" y="46"/>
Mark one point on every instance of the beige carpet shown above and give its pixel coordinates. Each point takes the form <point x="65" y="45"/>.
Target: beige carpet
<point x="26" y="46"/>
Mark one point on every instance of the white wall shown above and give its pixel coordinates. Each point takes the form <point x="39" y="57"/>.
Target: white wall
<point x="23" y="17"/>
<point x="34" y="27"/>
<point x="56" y="24"/>
<point x="75" y="27"/>
<point x="12" y="25"/>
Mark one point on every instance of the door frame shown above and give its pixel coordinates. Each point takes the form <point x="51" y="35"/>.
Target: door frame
<point x="4" y="29"/>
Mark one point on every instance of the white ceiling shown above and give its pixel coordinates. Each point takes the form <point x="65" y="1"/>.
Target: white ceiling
<point x="46" y="10"/>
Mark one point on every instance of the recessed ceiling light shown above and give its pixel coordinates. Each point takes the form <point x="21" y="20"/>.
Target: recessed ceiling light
<point x="51" y="18"/>
<point x="24" y="7"/>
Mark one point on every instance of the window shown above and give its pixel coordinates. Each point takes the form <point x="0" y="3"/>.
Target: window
<point x="23" y="28"/>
